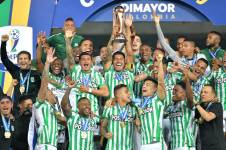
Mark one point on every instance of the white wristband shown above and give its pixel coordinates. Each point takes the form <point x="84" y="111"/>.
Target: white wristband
<point x="90" y="90"/>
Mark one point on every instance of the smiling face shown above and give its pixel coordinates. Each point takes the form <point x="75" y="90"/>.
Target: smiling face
<point x="57" y="66"/>
<point x="69" y="25"/>
<point x="199" y="68"/>
<point x="6" y="106"/>
<point x="119" y="62"/>
<point x="87" y="46"/>
<point x="178" y="93"/>
<point x="84" y="107"/>
<point x="24" y="61"/>
<point x="145" y="53"/>
<point x="104" y="53"/>
<point x="136" y="43"/>
<point x="86" y="62"/>
<point x="148" y="88"/>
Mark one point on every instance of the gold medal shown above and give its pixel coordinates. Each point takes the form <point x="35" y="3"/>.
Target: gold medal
<point x="22" y="89"/>
<point x="122" y="124"/>
<point x="84" y="135"/>
<point x="141" y="112"/>
<point x="7" y="134"/>
<point x="57" y="113"/>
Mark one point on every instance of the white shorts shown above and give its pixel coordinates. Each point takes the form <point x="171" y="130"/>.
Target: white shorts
<point x="185" y="148"/>
<point x="45" y="147"/>
<point x="224" y="121"/>
<point x="137" y="139"/>
<point x="155" y="146"/>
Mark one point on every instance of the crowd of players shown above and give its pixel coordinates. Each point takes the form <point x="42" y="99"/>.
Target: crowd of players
<point x="130" y="97"/>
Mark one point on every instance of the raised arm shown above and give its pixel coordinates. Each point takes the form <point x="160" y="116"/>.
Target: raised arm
<point x="40" y="40"/>
<point x="161" y="84"/>
<point x="189" y="92"/>
<point x="5" y="59"/>
<point x="70" y="57"/>
<point x="129" y="51"/>
<point x="172" y="53"/>
<point x="44" y="83"/>
<point x="65" y="105"/>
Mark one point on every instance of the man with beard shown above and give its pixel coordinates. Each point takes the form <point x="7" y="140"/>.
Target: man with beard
<point x="89" y="83"/>
<point x="19" y="141"/>
<point x="6" y="122"/>
<point x="213" y="50"/>
<point x="80" y="124"/>
<point x="28" y="80"/>
<point x="151" y="110"/>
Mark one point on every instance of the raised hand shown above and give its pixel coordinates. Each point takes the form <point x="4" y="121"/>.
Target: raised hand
<point x="5" y="38"/>
<point x="71" y="84"/>
<point x="50" y="55"/>
<point x="69" y="33"/>
<point x="41" y="38"/>
<point x="155" y="16"/>
<point x="128" y="20"/>
<point x="159" y="57"/>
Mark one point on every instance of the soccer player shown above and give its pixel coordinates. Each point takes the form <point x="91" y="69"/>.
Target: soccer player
<point x="151" y="110"/>
<point x="46" y="114"/>
<point x="142" y="66"/>
<point x="118" y="120"/>
<point x="181" y="119"/>
<point x="213" y="50"/>
<point x="80" y="124"/>
<point x="89" y="83"/>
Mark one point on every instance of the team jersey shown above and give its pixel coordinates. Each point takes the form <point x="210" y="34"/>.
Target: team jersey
<point x="122" y="137"/>
<point x="151" y="120"/>
<point x="197" y="86"/>
<point x="139" y="69"/>
<point x="114" y="78"/>
<point x="181" y="120"/>
<point x="92" y="80"/>
<point x="81" y="131"/>
<point x="47" y="123"/>
<point x="219" y="77"/>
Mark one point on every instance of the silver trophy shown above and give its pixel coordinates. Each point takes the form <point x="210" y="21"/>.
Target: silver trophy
<point x="119" y="21"/>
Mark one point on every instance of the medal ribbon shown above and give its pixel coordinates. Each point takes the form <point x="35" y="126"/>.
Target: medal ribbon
<point x="85" y="124"/>
<point x="147" y="100"/>
<point x="123" y="114"/>
<point x="86" y="79"/>
<point x="215" y="53"/>
<point x="23" y="80"/>
<point x="119" y="76"/>
<point x="5" y="124"/>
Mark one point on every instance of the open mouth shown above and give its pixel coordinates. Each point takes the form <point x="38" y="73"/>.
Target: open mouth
<point x="119" y="64"/>
<point x="86" y="65"/>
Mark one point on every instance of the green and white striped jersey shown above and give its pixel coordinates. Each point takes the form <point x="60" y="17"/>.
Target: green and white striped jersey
<point x="80" y="138"/>
<point x="92" y="80"/>
<point x="219" y="78"/>
<point x="181" y="120"/>
<point x="114" y="78"/>
<point x="151" y="121"/>
<point x="47" y="123"/>
<point x="122" y="137"/>
<point x="139" y="69"/>
<point x="197" y="86"/>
